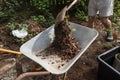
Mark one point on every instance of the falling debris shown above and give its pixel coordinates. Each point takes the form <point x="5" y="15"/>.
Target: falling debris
<point x="63" y="45"/>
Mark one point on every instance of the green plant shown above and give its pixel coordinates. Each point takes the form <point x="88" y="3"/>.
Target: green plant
<point x="50" y="19"/>
<point x="34" y="18"/>
<point x="42" y="5"/>
<point x="20" y="40"/>
<point x="7" y="9"/>
<point x="22" y="26"/>
<point x="39" y="18"/>
<point x="107" y="46"/>
<point x="13" y="26"/>
<point x="46" y="21"/>
<point x="115" y="20"/>
<point x="81" y="10"/>
<point x="116" y="15"/>
<point x="117" y="8"/>
<point x="81" y="15"/>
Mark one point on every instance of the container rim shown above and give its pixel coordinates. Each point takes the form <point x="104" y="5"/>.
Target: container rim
<point x="99" y="59"/>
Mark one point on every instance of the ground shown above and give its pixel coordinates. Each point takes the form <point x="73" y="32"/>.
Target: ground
<point x="85" y="68"/>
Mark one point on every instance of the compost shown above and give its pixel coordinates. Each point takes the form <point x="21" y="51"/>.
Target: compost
<point x="63" y="45"/>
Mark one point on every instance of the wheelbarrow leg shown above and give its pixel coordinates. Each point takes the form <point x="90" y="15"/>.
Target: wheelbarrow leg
<point x="58" y="77"/>
<point x="61" y="77"/>
<point x="65" y="76"/>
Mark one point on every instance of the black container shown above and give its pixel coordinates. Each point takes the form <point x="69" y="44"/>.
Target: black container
<point x="105" y="69"/>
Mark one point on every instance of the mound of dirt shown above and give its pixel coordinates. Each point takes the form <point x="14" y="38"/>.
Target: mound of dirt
<point x="63" y="44"/>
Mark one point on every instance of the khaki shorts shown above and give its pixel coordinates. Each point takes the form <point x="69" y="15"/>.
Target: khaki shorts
<point x="104" y="7"/>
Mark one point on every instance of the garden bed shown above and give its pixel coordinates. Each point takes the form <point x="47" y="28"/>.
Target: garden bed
<point x="85" y="68"/>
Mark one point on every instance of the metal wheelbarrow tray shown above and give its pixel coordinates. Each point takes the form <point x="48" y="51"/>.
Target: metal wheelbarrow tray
<point x="84" y="35"/>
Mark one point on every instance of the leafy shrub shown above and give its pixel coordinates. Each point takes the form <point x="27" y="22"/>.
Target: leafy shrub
<point x="42" y="5"/>
<point x="39" y="18"/>
<point x="7" y="9"/>
<point x="117" y="8"/>
<point x="13" y="26"/>
<point x="81" y="15"/>
<point x="116" y="15"/>
<point x="11" y="10"/>
<point x="49" y="20"/>
<point x="82" y="10"/>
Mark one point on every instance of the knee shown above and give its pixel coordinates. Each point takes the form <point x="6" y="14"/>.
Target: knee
<point x="91" y="18"/>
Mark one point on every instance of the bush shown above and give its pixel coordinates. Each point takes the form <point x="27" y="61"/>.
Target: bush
<point x="81" y="10"/>
<point x="41" y="5"/>
<point x="45" y="20"/>
<point x="116" y="15"/>
<point x="7" y="9"/>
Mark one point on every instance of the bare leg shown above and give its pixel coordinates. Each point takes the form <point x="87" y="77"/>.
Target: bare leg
<point x="108" y="25"/>
<point x="91" y="20"/>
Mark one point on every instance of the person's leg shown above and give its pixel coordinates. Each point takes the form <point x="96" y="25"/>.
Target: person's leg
<point x="91" y="20"/>
<point x="106" y="22"/>
<point x="108" y="25"/>
<point x="92" y="10"/>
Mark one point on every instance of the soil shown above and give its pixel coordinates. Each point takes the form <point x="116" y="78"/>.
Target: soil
<point x="63" y="44"/>
<point x="85" y="68"/>
<point x="62" y="49"/>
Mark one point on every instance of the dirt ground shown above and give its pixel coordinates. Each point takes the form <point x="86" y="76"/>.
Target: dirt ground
<point x="85" y="68"/>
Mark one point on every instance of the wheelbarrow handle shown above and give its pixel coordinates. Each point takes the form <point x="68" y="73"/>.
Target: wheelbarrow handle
<point x="9" y="51"/>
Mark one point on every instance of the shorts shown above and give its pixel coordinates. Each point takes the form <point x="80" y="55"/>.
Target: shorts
<point x="104" y="7"/>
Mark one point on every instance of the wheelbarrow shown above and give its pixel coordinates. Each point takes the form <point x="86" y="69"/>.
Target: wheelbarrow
<point x="84" y="35"/>
<point x="12" y="61"/>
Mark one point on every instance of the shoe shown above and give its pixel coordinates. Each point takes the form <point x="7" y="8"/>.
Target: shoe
<point x="109" y="37"/>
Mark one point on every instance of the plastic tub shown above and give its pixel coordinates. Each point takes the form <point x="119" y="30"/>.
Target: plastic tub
<point x="105" y="70"/>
